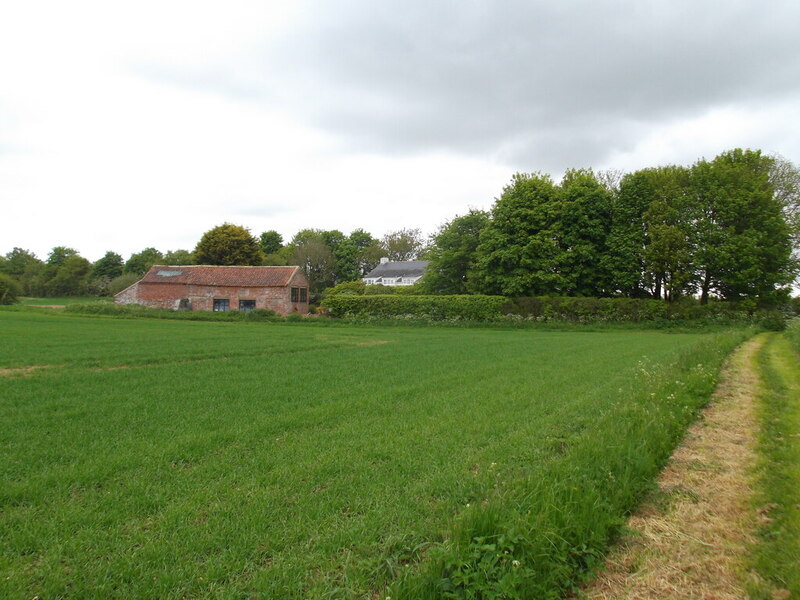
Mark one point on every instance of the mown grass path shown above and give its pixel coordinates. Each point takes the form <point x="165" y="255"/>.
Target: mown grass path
<point x="724" y="522"/>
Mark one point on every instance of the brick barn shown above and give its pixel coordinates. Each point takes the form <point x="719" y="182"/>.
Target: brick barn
<point x="282" y="289"/>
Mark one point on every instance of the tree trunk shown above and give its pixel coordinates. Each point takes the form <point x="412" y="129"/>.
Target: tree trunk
<point x="704" y="287"/>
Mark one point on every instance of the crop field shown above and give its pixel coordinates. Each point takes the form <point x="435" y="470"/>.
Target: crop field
<point x="174" y="459"/>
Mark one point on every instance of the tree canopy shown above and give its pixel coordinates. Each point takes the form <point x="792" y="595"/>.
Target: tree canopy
<point x="228" y="244"/>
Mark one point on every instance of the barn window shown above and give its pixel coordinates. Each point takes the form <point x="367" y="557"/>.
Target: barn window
<point x="303" y="295"/>
<point x="221" y="305"/>
<point x="247" y="305"/>
<point x="299" y="294"/>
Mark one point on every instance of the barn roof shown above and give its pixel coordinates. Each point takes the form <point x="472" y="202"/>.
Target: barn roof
<point x="221" y="276"/>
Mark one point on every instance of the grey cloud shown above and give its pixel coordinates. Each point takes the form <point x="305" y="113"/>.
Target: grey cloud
<point x="532" y="84"/>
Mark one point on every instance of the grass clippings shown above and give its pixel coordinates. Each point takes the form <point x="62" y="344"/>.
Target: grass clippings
<point x="690" y="537"/>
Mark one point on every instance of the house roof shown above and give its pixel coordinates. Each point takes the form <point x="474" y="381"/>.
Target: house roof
<point x="410" y="268"/>
<point x="221" y="276"/>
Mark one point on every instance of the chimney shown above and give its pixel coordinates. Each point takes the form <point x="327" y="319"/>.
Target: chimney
<point x="384" y="260"/>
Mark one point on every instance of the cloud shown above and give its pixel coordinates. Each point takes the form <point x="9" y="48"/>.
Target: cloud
<point x="523" y="83"/>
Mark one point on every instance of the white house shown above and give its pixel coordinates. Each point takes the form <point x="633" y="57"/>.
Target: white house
<point x="396" y="273"/>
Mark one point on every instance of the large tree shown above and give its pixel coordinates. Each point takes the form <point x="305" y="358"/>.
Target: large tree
<point x="584" y="223"/>
<point x="311" y="252"/>
<point x="228" y="244"/>
<point x="453" y="254"/>
<point x="519" y="251"/>
<point x="108" y="267"/>
<point x="271" y="241"/>
<point x="140" y="262"/>
<point x="403" y="244"/>
<point x="744" y="248"/>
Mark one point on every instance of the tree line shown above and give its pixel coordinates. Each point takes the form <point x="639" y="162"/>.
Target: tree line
<point x="724" y="228"/>
<point x="327" y="258"/>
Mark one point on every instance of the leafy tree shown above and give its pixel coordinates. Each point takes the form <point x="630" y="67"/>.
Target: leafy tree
<point x="271" y="241"/>
<point x="179" y="257"/>
<point x="627" y="238"/>
<point x="369" y="251"/>
<point x="116" y="285"/>
<point x="228" y="244"/>
<point x="140" y="262"/>
<point x="669" y="222"/>
<point x="10" y="289"/>
<point x="403" y="245"/>
<point x="311" y="252"/>
<point x="519" y="250"/>
<point x="70" y="278"/>
<point x="24" y="267"/>
<point x="744" y="241"/>
<point x="109" y="266"/>
<point x="585" y="223"/>
<point x="59" y="255"/>
<point x="453" y="254"/>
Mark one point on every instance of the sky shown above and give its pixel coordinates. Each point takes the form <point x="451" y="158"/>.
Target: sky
<point x="126" y="125"/>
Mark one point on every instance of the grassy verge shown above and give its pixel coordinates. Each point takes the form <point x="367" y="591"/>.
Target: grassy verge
<point x="777" y="554"/>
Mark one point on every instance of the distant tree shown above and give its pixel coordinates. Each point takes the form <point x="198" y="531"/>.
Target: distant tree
<point x="10" y="289"/>
<point x="228" y="244"/>
<point x="109" y="266"/>
<point x="669" y="221"/>
<point x="519" y="250"/>
<point x="585" y="223"/>
<point x="271" y="241"/>
<point x="453" y="254"/>
<point x="67" y="276"/>
<point x="369" y="251"/>
<point x="59" y="255"/>
<point x="403" y="245"/>
<point x="784" y="177"/>
<point x="24" y="267"/>
<point x="744" y="248"/>
<point x="627" y="238"/>
<point x="311" y="252"/>
<point x="140" y="262"/>
<point x="179" y="257"/>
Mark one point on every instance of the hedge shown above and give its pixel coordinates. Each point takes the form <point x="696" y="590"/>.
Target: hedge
<point x="471" y="308"/>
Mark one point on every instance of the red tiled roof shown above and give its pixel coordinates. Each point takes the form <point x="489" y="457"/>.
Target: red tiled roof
<point x="221" y="276"/>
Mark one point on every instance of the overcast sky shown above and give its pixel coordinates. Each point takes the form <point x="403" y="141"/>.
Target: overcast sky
<point x="132" y="124"/>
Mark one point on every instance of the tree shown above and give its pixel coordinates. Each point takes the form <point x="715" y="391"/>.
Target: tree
<point x="453" y="254"/>
<point x="17" y="261"/>
<point x="369" y="251"/>
<point x="228" y="244"/>
<point x="402" y="245"/>
<point x="179" y="257"/>
<point x="627" y="238"/>
<point x="108" y="267"/>
<point x="70" y="278"/>
<point x="519" y="250"/>
<point x="271" y="241"/>
<point x="140" y="262"/>
<point x="59" y="255"/>
<point x="585" y="223"/>
<point x="315" y="258"/>
<point x="10" y="289"/>
<point x="669" y="222"/>
<point x="744" y="248"/>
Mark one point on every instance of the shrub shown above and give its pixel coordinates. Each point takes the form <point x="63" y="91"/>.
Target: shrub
<point x="118" y="284"/>
<point x="10" y="290"/>
<point x="378" y="289"/>
<point x="352" y="288"/>
<point x="472" y="308"/>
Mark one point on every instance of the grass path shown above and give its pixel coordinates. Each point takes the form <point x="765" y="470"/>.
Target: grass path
<point x="690" y="538"/>
<point x="724" y="522"/>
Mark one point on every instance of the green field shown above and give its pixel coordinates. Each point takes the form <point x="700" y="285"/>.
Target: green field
<point x="169" y="459"/>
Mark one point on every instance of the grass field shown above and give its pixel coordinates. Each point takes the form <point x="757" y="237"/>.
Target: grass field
<point x="169" y="459"/>
<point x="65" y="301"/>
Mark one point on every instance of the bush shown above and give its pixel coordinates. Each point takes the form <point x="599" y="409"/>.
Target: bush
<point x="118" y="284"/>
<point x="472" y="308"/>
<point x="352" y="288"/>
<point x="10" y="290"/>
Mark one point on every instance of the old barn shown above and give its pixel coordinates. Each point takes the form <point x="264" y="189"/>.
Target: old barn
<point x="282" y="289"/>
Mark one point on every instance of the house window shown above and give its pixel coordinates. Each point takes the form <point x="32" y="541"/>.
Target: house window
<point x="299" y="294"/>
<point x="221" y="305"/>
<point x="247" y="305"/>
<point x="295" y="294"/>
<point x="303" y="295"/>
